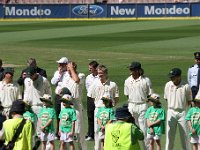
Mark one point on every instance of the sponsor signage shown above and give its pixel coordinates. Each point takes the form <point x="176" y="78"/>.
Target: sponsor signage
<point x="88" y="11"/>
<point x="195" y="10"/>
<point x="100" y="10"/>
<point x="121" y="11"/>
<point x="163" y="10"/>
<point x="179" y="10"/>
<point x="36" y="11"/>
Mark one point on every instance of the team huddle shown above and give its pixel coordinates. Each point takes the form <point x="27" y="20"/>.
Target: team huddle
<point x="30" y="99"/>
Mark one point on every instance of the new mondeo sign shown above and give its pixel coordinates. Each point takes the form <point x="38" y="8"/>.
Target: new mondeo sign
<point x="36" y="11"/>
<point x="100" y="10"/>
<point x="163" y="10"/>
<point x="116" y="10"/>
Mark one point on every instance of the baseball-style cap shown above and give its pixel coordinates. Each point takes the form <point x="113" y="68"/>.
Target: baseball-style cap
<point x="63" y="60"/>
<point x="155" y="98"/>
<point x="197" y="99"/>
<point x="66" y="98"/>
<point x="174" y="72"/>
<point x="18" y="106"/>
<point x="28" y="103"/>
<point x="46" y="98"/>
<point x="65" y="90"/>
<point x="122" y="113"/>
<point x="9" y="70"/>
<point x="30" y="71"/>
<point x="197" y="55"/>
<point x="135" y="65"/>
<point x="106" y="97"/>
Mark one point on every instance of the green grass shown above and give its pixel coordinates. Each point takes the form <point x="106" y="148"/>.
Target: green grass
<point x="158" y="45"/>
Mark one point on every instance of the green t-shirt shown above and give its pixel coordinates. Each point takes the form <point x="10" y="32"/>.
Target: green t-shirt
<point x="154" y="114"/>
<point x="67" y="116"/>
<point x="105" y="114"/>
<point x="194" y="116"/>
<point x="30" y="115"/>
<point x="45" y="114"/>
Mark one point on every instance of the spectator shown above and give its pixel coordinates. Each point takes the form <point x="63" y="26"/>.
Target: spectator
<point x="58" y="77"/>
<point x="193" y="75"/>
<point x="122" y="134"/>
<point x="192" y="118"/>
<point x="137" y="87"/>
<point x="10" y="126"/>
<point x="31" y="62"/>
<point x="96" y="92"/>
<point x="67" y="122"/>
<point x="155" y="116"/>
<point x="178" y="95"/>
<point x="9" y="90"/>
<point x="90" y="79"/>
<point x="1" y="70"/>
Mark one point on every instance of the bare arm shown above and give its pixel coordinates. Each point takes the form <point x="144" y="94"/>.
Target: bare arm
<point x="100" y="124"/>
<point x="156" y="122"/>
<point x="46" y="125"/>
<point x="74" y="75"/>
<point x="190" y="127"/>
<point x="148" y="123"/>
<point x="73" y="128"/>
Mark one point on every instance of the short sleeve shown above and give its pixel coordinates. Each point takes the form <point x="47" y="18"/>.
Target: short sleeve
<point x="74" y="116"/>
<point x="188" y="115"/>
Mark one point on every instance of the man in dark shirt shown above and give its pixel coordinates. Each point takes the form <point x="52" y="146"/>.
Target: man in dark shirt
<point x="31" y="62"/>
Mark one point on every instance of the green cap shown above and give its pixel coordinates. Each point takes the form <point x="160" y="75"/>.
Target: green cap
<point x="9" y="70"/>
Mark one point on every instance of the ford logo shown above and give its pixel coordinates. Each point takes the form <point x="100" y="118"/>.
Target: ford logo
<point x="82" y="10"/>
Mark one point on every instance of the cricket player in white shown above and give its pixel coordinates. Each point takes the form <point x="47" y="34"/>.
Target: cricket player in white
<point x="35" y="86"/>
<point x="179" y="96"/>
<point x="102" y="87"/>
<point x="9" y="90"/>
<point x="75" y="83"/>
<point x="137" y="87"/>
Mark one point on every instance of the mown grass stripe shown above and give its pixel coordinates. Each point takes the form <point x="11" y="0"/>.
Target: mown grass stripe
<point x="17" y="36"/>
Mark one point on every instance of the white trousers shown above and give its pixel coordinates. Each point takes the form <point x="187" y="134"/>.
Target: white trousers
<point x="175" y="118"/>
<point x="36" y="110"/>
<point x="80" y="125"/>
<point x="96" y="133"/>
<point x="138" y="112"/>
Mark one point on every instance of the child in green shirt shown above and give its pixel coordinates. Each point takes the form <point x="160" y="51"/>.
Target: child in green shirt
<point x="193" y="121"/>
<point x="104" y="115"/>
<point x="30" y="115"/>
<point x="155" y="116"/>
<point x="67" y="118"/>
<point x="46" y="116"/>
